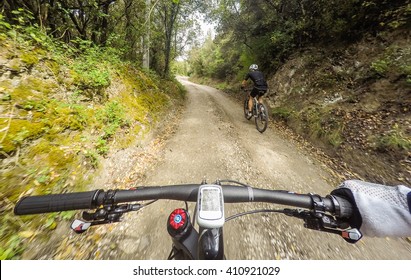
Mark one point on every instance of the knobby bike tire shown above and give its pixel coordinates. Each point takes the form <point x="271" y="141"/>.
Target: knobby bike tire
<point x="261" y="120"/>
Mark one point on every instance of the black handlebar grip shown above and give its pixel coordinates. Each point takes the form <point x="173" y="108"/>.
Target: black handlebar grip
<point x="345" y="208"/>
<point x="56" y="203"/>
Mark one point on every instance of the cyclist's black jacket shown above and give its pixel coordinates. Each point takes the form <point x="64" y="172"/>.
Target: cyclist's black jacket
<point x="258" y="79"/>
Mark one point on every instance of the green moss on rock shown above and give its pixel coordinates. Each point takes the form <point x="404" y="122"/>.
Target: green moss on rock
<point x="19" y="132"/>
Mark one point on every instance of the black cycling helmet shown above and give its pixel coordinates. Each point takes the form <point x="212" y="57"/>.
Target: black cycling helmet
<point x="253" y="67"/>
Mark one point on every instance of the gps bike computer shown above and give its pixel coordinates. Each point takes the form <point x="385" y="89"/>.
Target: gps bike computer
<point x="210" y="206"/>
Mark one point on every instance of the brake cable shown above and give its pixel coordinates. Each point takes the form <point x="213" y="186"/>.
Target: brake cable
<point x="254" y="212"/>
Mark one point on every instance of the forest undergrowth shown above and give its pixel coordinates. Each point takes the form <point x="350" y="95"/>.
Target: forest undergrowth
<point x="64" y="107"/>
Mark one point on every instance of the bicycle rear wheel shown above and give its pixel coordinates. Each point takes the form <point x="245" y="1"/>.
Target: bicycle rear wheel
<point x="261" y="120"/>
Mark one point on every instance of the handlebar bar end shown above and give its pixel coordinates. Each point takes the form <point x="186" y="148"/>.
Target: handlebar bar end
<point x="57" y="202"/>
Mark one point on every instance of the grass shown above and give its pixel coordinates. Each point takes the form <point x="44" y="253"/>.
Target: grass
<point x="320" y="123"/>
<point x="282" y="113"/>
<point x="393" y="140"/>
<point x="395" y="61"/>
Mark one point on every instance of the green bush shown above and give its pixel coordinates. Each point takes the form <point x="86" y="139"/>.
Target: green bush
<point x="380" y="67"/>
<point x="282" y="113"/>
<point x="395" y="139"/>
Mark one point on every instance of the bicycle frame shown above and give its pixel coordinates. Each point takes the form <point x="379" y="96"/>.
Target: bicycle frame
<point x="208" y="245"/>
<point x="255" y="106"/>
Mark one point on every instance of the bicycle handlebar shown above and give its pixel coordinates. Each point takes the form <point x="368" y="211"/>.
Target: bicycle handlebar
<point x="55" y="203"/>
<point x="232" y="194"/>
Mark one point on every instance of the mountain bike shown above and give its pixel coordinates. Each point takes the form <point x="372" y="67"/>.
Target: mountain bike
<point x="259" y="112"/>
<point x="201" y="237"/>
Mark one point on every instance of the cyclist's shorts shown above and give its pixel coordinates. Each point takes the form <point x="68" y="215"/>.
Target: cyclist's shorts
<point x="258" y="91"/>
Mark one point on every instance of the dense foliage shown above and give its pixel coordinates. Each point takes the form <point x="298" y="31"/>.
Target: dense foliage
<point x="151" y="32"/>
<point x="64" y="107"/>
<point x="266" y="32"/>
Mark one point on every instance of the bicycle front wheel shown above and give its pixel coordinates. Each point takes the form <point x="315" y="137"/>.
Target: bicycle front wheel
<point x="261" y="120"/>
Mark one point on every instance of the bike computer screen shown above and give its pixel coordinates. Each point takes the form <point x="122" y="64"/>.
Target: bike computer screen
<point x="210" y="206"/>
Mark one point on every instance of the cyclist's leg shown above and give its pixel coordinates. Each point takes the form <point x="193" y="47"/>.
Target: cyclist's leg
<point x="260" y="96"/>
<point x="253" y="93"/>
<point x="250" y="103"/>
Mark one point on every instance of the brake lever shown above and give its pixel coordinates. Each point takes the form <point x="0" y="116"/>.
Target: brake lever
<point x="323" y="222"/>
<point x="105" y="215"/>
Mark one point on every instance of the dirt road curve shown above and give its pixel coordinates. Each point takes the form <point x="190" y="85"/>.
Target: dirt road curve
<point x="213" y="140"/>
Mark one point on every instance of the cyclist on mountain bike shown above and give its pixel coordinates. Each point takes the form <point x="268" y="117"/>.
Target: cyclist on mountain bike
<point x="260" y="85"/>
<point x="379" y="210"/>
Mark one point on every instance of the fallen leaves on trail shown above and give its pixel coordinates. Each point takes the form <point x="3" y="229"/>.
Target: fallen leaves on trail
<point x="338" y="169"/>
<point x="26" y="234"/>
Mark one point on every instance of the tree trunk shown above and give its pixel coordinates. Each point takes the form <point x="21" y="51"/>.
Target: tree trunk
<point x="169" y="21"/>
<point x="146" y="41"/>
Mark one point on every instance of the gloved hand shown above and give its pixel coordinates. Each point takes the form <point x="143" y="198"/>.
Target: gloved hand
<point x="379" y="210"/>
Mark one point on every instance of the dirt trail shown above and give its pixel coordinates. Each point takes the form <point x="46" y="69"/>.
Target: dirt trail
<point x="214" y="141"/>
